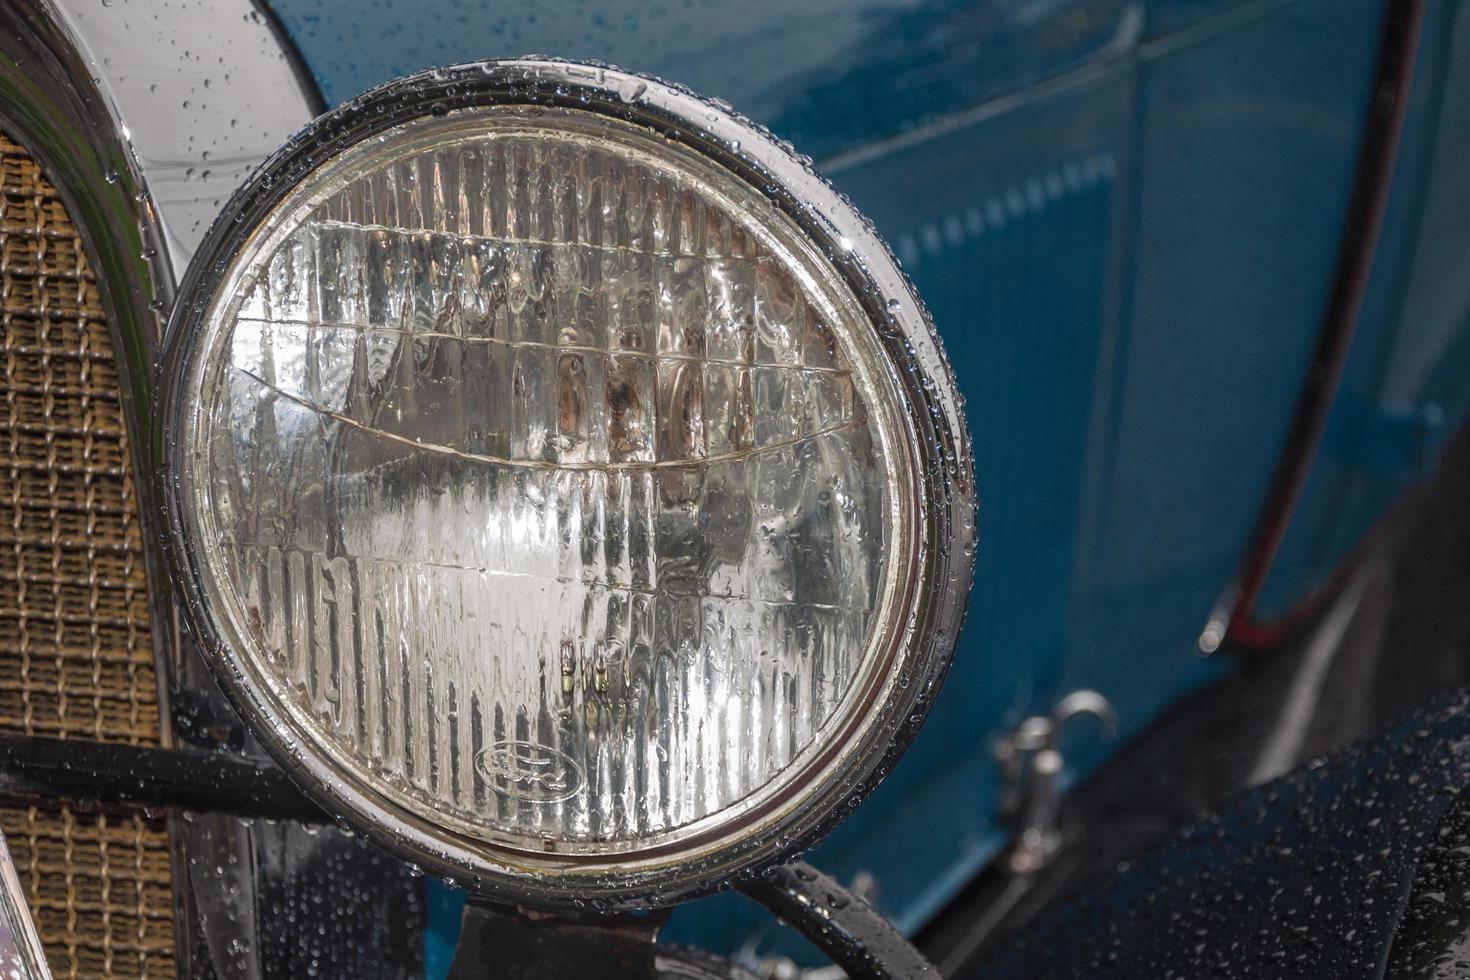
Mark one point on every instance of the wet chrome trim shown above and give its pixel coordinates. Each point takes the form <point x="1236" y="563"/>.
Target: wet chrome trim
<point x="95" y="91"/>
<point x="50" y="104"/>
<point x="201" y="91"/>
<point x="81" y="85"/>
<point x="941" y="550"/>
<point x="21" y="954"/>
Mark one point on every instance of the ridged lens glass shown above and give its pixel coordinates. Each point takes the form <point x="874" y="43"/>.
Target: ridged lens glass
<point x="543" y="476"/>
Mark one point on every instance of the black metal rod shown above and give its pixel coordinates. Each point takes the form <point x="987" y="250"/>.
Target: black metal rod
<point x="839" y="923"/>
<point x="49" y="768"/>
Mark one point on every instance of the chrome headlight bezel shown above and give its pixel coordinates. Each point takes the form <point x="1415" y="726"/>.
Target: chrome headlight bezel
<point x="944" y="499"/>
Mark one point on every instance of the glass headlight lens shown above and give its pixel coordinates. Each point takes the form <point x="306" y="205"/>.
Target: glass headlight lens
<point x="547" y="490"/>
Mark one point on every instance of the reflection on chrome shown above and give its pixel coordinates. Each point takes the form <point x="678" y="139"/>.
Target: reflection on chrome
<point x="21" y="955"/>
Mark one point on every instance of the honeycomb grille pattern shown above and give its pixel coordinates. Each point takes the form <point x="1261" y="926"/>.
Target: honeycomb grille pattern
<point x="75" y="656"/>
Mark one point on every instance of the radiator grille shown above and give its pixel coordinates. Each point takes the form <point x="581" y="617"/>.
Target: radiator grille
<point x="75" y="657"/>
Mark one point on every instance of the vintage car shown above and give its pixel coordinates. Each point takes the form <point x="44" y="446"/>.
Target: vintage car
<point x="480" y="513"/>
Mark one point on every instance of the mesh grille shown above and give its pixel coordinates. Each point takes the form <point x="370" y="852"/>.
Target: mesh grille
<point x="75" y="656"/>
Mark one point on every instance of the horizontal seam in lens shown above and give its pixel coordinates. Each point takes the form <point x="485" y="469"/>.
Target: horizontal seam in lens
<point x="535" y="464"/>
<point x="548" y="579"/>
<point x="548" y="242"/>
<point x="543" y="345"/>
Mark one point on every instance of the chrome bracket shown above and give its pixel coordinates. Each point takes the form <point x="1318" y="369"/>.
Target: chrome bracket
<point x="1031" y="765"/>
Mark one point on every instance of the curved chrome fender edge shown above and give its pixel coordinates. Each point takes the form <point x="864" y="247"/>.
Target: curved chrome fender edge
<point x="201" y="92"/>
<point x="146" y="116"/>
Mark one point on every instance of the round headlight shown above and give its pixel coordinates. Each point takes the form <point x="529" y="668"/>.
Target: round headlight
<point x="567" y="483"/>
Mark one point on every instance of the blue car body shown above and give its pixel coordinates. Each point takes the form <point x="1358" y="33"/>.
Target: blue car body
<point x="1125" y="217"/>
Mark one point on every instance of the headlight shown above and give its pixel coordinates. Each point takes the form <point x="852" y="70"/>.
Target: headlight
<point x="566" y="482"/>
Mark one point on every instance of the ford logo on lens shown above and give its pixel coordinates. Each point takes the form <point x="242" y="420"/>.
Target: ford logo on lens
<point x="529" y="771"/>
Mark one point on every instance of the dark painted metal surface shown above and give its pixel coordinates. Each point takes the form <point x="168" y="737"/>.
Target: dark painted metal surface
<point x="841" y="924"/>
<point x="1346" y="678"/>
<point x="1234" y="619"/>
<point x="1432" y="941"/>
<point x="830" y="75"/>
<point x="496" y="943"/>
<point x="325" y="904"/>
<point x="1406" y="385"/>
<point x="1306" y="876"/>
<point x="207" y="782"/>
<point x="1131" y="348"/>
